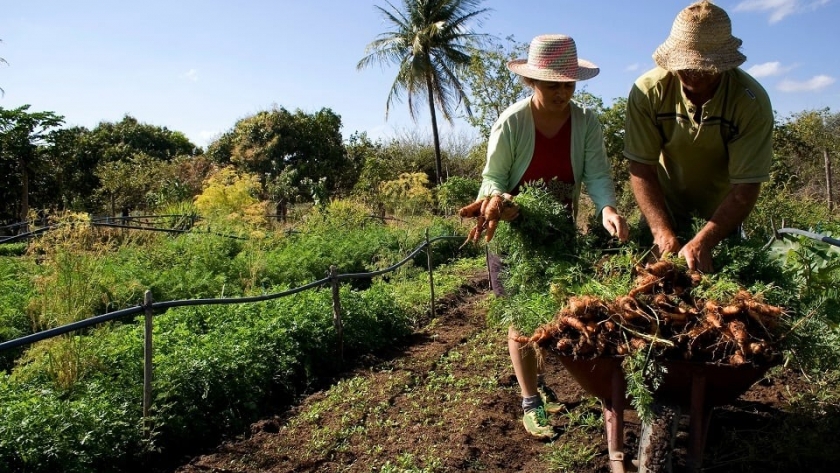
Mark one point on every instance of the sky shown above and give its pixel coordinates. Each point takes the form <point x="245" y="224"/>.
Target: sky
<point x="198" y="66"/>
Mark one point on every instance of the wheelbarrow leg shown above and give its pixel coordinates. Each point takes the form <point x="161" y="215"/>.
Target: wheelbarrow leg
<point x="698" y="424"/>
<point x="614" y="422"/>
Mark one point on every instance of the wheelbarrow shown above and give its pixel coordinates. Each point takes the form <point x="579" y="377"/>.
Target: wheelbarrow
<point x="692" y="387"/>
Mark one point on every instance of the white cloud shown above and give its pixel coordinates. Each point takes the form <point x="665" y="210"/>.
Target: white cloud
<point x="779" y="8"/>
<point x="633" y="67"/>
<point x="768" y="69"/>
<point x="191" y="75"/>
<point x="811" y="85"/>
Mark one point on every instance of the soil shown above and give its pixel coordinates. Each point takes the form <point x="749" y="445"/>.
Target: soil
<point x="448" y="401"/>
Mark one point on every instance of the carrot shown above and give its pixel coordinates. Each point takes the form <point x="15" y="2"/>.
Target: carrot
<point x="731" y="310"/>
<point x="576" y="324"/>
<point x="737" y="359"/>
<point x="661" y="268"/>
<point x="564" y="345"/>
<point x="471" y="211"/>
<point x="491" y="229"/>
<point x="493" y="209"/>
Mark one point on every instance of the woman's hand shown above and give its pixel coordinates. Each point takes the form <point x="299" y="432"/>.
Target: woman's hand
<point x="615" y="224"/>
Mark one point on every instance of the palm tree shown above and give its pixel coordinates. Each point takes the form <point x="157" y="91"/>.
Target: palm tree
<point x="428" y="43"/>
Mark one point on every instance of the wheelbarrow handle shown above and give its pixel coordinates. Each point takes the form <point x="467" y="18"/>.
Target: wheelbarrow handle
<point x="811" y="235"/>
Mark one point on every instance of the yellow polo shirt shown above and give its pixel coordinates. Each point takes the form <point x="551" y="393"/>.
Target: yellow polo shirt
<point x="698" y="161"/>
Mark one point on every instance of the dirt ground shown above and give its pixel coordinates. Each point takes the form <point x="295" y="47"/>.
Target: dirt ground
<point x="448" y="401"/>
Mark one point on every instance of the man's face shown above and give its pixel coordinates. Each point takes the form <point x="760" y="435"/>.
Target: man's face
<point x="697" y="81"/>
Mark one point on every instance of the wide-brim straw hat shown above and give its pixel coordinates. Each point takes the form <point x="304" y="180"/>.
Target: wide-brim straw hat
<point x="553" y="58"/>
<point x="701" y="39"/>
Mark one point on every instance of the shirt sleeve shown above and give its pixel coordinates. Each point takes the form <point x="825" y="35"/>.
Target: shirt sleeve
<point x="497" y="169"/>
<point x="597" y="174"/>
<point x="642" y="138"/>
<point x="751" y="151"/>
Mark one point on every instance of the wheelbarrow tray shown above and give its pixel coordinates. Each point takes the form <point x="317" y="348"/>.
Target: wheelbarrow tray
<point x="696" y="387"/>
<point x="723" y="383"/>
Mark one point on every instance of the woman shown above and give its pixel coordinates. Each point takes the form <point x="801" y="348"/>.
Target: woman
<point x="547" y="136"/>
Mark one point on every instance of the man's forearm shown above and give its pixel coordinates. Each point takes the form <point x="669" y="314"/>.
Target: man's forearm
<point x="649" y="196"/>
<point x="734" y="209"/>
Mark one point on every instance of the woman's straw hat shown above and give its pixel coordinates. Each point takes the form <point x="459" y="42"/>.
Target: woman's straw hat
<point x="553" y="58"/>
<point x="701" y="38"/>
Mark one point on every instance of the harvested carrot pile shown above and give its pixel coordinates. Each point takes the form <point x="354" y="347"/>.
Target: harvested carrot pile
<point x="661" y="310"/>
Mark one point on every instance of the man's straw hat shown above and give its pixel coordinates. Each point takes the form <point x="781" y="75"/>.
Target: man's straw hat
<point x="701" y="38"/>
<point x="553" y="58"/>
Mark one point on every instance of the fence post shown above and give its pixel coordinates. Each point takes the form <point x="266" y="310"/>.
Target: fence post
<point x="147" y="364"/>
<point x="431" y="275"/>
<point x="339" y="327"/>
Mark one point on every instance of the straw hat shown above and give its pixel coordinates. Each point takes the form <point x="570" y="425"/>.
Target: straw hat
<point x="701" y="38"/>
<point x="553" y="58"/>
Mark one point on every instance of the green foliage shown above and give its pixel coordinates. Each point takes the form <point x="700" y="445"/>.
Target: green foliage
<point x="231" y="197"/>
<point x="15" y="291"/>
<point x="455" y="193"/>
<point x="644" y="375"/>
<point x="275" y="141"/>
<point x="538" y="244"/>
<point x="22" y="164"/>
<point x="525" y="311"/>
<point x="407" y="195"/>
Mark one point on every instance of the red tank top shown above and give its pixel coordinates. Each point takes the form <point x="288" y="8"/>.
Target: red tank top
<point x="552" y="160"/>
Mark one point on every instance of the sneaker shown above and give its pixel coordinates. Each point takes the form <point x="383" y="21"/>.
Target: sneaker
<point x="549" y="400"/>
<point x="536" y="423"/>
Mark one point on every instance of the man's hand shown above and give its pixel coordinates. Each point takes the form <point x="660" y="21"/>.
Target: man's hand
<point x="665" y="242"/>
<point x="697" y="255"/>
<point x="615" y="224"/>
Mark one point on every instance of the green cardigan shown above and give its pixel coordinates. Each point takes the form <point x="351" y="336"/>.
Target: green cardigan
<point x="511" y="147"/>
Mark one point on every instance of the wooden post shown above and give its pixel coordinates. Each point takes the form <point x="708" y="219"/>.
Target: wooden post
<point x="147" y="364"/>
<point x="339" y="326"/>
<point x="431" y="273"/>
<point x="829" y="190"/>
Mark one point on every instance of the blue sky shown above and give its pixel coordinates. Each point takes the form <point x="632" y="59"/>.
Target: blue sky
<point x="197" y="66"/>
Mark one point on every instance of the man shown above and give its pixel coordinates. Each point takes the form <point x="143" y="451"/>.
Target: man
<point x="698" y="136"/>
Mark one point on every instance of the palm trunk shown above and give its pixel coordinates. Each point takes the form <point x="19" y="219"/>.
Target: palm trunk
<point x="438" y="161"/>
<point x="828" y="188"/>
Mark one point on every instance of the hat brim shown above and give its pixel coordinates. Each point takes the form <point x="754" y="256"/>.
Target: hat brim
<point x="674" y="56"/>
<point x="585" y="70"/>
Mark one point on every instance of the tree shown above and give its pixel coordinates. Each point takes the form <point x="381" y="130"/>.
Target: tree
<point x="428" y="43"/>
<point x="492" y="86"/>
<point x="803" y="146"/>
<point x="21" y="135"/>
<point x="271" y="142"/>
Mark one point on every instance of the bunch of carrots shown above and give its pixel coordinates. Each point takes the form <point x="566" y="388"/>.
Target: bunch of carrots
<point x="661" y="311"/>
<point x="487" y="212"/>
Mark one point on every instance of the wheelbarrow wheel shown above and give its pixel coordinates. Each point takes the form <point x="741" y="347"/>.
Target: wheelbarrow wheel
<point x="657" y="440"/>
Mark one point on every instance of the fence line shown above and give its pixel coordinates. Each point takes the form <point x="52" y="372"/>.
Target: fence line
<point x="148" y="307"/>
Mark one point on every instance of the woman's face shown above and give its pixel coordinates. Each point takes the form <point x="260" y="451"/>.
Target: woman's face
<point x="554" y="96"/>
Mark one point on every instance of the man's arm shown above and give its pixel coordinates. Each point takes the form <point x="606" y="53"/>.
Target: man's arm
<point x="651" y="201"/>
<point x="736" y="206"/>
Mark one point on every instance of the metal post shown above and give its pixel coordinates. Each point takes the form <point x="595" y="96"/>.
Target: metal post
<point x="431" y="273"/>
<point x="339" y="326"/>
<point x="487" y="263"/>
<point x="147" y="364"/>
